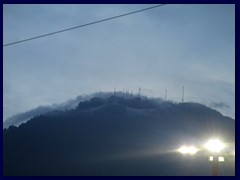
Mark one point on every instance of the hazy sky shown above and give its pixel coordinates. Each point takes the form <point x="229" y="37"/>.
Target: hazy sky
<point x="163" y="48"/>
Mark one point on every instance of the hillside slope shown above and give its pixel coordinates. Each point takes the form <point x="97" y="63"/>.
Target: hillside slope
<point x="115" y="136"/>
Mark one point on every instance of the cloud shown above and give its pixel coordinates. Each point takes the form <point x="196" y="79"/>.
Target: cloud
<point x="164" y="48"/>
<point x="219" y="105"/>
<point x="223" y="107"/>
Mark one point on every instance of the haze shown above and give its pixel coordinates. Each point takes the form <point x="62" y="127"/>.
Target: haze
<point x="163" y="48"/>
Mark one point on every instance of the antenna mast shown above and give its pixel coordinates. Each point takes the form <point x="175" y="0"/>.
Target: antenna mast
<point x="183" y="94"/>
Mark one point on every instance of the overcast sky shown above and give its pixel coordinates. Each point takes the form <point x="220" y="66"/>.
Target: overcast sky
<point x="163" y="48"/>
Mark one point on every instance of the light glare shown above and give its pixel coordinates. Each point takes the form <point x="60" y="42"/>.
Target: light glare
<point x="211" y="158"/>
<point x="188" y="150"/>
<point x="214" y="145"/>
<point x="221" y="159"/>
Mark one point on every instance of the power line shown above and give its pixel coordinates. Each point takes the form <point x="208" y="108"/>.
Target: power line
<point x="83" y="25"/>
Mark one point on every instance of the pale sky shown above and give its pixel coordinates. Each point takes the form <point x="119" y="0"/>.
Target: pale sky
<point x="164" y="48"/>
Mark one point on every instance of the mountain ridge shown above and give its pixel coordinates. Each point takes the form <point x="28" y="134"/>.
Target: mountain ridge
<point x="113" y="136"/>
<point x="20" y="118"/>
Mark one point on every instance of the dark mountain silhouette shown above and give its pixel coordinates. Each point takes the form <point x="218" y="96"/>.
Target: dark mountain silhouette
<point x="20" y="118"/>
<point x="23" y="117"/>
<point x="116" y="136"/>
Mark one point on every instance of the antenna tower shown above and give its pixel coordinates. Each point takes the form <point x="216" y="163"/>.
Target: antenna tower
<point x="183" y="94"/>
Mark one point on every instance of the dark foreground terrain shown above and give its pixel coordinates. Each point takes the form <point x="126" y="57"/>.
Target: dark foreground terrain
<point x="117" y="136"/>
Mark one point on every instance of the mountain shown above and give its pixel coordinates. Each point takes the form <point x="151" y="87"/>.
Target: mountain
<point x="20" y="118"/>
<point x="116" y="135"/>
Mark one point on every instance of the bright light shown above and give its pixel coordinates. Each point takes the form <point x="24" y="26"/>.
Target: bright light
<point x="214" y="145"/>
<point x="221" y="159"/>
<point x="188" y="150"/>
<point x="192" y="150"/>
<point x="183" y="150"/>
<point x="211" y="158"/>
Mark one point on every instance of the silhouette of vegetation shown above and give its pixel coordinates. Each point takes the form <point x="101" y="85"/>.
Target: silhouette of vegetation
<point x="113" y="136"/>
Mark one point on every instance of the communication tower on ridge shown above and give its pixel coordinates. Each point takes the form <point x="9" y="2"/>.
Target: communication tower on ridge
<point x="139" y="92"/>
<point x="183" y="94"/>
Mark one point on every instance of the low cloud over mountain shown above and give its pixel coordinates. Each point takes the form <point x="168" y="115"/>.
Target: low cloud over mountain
<point x="20" y="118"/>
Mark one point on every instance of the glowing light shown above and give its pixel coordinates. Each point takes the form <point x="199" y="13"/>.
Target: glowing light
<point x="188" y="150"/>
<point x="214" y="145"/>
<point x="211" y="158"/>
<point x="221" y="159"/>
<point x="183" y="150"/>
<point x="192" y="150"/>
